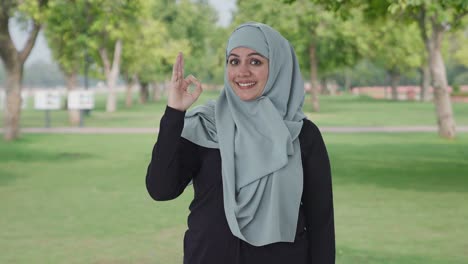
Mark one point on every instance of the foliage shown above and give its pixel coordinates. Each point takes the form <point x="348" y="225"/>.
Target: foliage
<point x="67" y="33"/>
<point x="455" y="48"/>
<point x="194" y="23"/>
<point x="109" y="22"/>
<point x="77" y="29"/>
<point x="446" y="13"/>
<point x="149" y="50"/>
<point x="154" y="31"/>
<point x="396" y="47"/>
<point x="339" y="43"/>
<point x="28" y="10"/>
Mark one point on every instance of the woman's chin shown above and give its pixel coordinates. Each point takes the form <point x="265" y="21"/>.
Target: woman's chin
<point x="246" y="97"/>
<point x="247" y="94"/>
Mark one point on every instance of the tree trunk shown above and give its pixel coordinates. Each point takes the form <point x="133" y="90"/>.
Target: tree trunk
<point x="11" y="118"/>
<point x="425" y="81"/>
<point x="156" y="91"/>
<point x="73" y="114"/>
<point x="112" y="73"/>
<point x="347" y="80"/>
<point x="144" y="92"/>
<point x="129" y="95"/>
<point x="323" y="85"/>
<point x="314" y="78"/>
<point x="13" y="60"/>
<point x="445" y="119"/>
<point x="386" y="96"/>
<point x="443" y="105"/>
<point x="394" y="81"/>
<point x="131" y="81"/>
<point x="332" y="87"/>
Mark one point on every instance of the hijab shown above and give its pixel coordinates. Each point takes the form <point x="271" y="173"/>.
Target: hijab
<point x="258" y="140"/>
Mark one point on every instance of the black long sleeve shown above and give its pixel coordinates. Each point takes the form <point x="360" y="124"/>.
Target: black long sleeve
<point x="174" y="160"/>
<point x="317" y="196"/>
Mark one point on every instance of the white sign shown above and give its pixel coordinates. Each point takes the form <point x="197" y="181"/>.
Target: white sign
<point x="24" y="99"/>
<point x="80" y="99"/>
<point x="47" y="100"/>
<point x="3" y="100"/>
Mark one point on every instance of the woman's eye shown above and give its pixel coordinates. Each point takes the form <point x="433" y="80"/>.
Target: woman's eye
<point x="255" y="62"/>
<point x="234" y="61"/>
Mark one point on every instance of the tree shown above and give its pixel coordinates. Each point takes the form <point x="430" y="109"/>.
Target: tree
<point x="441" y="16"/>
<point x="30" y="11"/>
<point x="323" y="43"/>
<point x="109" y="22"/>
<point x="395" y="47"/>
<point x="149" y="53"/>
<point x="66" y="29"/>
<point x="195" y="23"/>
<point x="434" y="18"/>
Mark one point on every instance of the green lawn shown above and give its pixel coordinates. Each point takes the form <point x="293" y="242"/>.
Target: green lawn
<point x="365" y="111"/>
<point x="345" y="110"/>
<point x="399" y="198"/>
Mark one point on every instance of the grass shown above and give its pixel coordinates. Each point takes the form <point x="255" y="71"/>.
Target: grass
<point x="399" y="198"/>
<point x="365" y="111"/>
<point x="82" y="199"/>
<point x="345" y="110"/>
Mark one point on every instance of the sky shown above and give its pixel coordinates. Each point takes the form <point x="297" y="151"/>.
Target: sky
<point x="41" y="51"/>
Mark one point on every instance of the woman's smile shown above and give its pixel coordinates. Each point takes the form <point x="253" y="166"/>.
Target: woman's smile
<point x="246" y="85"/>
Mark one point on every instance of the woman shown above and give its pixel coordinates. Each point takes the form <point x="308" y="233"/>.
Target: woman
<point x="260" y="169"/>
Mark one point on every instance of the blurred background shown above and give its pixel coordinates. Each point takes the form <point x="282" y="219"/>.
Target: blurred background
<point x="386" y="82"/>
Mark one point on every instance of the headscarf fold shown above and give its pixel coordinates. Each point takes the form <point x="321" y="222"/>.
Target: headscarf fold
<point x="258" y="141"/>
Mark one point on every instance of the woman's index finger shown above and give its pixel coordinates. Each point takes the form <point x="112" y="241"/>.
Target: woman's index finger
<point x="182" y="65"/>
<point x="175" y="68"/>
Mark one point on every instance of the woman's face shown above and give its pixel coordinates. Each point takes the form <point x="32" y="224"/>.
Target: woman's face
<point x="247" y="73"/>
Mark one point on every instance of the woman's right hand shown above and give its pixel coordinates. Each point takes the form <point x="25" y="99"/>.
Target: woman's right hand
<point x="178" y="95"/>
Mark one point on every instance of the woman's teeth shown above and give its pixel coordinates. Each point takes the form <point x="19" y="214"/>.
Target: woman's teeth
<point x="246" y="84"/>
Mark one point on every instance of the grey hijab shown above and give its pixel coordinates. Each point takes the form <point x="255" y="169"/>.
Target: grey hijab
<point x="258" y="141"/>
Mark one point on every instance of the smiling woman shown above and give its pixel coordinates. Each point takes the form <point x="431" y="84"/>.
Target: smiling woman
<point x="259" y="168"/>
<point x="247" y="73"/>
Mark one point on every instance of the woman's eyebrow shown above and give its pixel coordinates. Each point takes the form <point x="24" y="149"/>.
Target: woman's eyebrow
<point x="248" y="55"/>
<point x="255" y="53"/>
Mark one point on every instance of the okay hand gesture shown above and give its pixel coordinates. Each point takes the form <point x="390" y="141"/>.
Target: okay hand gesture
<point x="178" y="95"/>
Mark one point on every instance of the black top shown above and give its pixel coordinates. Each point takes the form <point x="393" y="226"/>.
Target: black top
<point x="176" y="161"/>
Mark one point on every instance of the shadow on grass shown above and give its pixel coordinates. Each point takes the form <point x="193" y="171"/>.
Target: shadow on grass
<point x="18" y="154"/>
<point x="25" y="155"/>
<point x="353" y="256"/>
<point x="417" y="166"/>
<point x="7" y="176"/>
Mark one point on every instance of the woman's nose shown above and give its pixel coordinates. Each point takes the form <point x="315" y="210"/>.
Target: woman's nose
<point x="243" y="70"/>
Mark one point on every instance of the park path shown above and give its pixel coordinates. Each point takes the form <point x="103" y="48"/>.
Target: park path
<point x="148" y="130"/>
